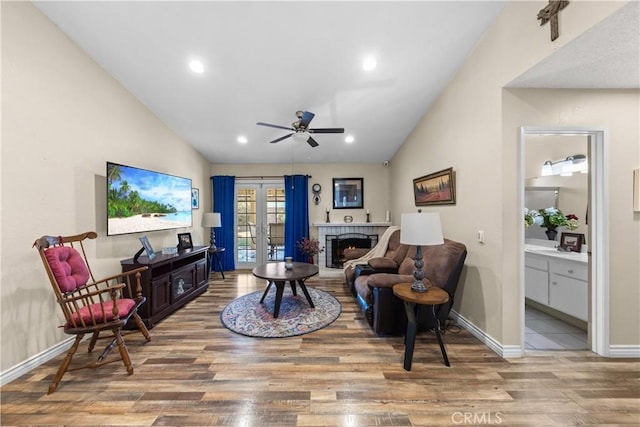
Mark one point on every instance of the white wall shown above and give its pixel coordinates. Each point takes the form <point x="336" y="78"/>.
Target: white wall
<point x="472" y="129"/>
<point x="63" y="117"/>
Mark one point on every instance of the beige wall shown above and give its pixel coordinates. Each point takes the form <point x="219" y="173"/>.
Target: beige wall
<point x="464" y="129"/>
<point x="375" y="186"/>
<point x="63" y="117"/>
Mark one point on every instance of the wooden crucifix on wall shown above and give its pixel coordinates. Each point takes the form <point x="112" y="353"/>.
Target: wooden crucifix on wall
<point x="550" y="13"/>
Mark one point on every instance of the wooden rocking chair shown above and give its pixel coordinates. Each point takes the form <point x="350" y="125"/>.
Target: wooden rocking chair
<point x="90" y="306"/>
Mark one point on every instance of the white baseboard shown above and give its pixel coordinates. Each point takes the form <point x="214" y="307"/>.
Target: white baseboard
<point x="624" y="351"/>
<point x="33" y="362"/>
<point x="506" y="351"/>
<point x="515" y="351"/>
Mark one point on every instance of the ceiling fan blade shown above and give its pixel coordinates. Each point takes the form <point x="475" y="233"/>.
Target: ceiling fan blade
<point x="281" y="138"/>
<point x="326" y="130"/>
<point x="274" y="126"/>
<point x="312" y="142"/>
<point x="306" y="118"/>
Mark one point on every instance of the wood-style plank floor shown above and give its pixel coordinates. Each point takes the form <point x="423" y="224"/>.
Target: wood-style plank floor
<point x="196" y="372"/>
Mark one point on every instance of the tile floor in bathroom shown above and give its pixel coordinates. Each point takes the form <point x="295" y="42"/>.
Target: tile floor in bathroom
<point x="544" y="332"/>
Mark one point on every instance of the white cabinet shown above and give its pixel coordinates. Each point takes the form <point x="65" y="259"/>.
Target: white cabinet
<point x="562" y="285"/>
<point x="569" y="289"/>
<point x="536" y="279"/>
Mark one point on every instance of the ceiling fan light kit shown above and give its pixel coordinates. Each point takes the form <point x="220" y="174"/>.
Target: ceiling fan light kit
<point x="301" y="131"/>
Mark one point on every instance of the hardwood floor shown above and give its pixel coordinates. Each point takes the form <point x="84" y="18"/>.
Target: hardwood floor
<point x="196" y="372"/>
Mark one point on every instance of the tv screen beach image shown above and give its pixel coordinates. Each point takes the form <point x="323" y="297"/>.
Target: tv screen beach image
<point x="140" y="200"/>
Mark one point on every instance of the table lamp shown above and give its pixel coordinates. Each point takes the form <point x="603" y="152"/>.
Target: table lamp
<point x="211" y="219"/>
<point x="420" y="229"/>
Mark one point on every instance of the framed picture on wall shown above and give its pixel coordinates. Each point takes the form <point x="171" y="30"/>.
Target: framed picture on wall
<point x="348" y="193"/>
<point x="195" y="198"/>
<point x="438" y="188"/>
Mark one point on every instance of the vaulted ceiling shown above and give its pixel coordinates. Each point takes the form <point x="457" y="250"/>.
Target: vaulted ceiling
<point x="263" y="61"/>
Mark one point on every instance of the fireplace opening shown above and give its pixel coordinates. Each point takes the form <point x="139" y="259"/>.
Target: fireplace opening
<point x="336" y="244"/>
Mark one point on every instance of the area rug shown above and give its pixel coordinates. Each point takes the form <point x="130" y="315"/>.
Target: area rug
<point x="246" y="316"/>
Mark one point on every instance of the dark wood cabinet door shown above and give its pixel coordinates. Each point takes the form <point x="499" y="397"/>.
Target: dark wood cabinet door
<point x="160" y="293"/>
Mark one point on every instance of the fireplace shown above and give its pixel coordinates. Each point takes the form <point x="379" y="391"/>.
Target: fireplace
<point x="336" y="244"/>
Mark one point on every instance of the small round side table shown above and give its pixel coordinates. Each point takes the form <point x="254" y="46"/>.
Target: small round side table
<point x="214" y="257"/>
<point x="413" y="302"/>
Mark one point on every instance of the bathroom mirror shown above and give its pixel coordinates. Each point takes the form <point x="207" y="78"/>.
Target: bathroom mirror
<point x="539" y="198"/>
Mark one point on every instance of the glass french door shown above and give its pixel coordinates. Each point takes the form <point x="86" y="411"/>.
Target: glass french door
<point x="259" y="223"/>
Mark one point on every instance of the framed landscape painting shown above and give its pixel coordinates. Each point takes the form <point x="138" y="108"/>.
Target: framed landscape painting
<point x="438" y="188"/>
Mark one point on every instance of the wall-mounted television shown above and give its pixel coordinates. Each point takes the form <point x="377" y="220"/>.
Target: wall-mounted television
<point x="140" y="200"/>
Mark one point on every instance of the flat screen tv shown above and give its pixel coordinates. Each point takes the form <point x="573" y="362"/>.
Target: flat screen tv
<point x="140" y="200"/>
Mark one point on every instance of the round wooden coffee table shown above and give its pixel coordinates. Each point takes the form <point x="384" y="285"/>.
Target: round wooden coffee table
<point x="277" y="275"/>
<point x="413" y="302"/>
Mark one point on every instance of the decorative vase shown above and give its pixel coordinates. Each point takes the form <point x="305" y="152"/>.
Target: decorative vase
<point x="310" y="260"/>
<point x="551" y="233"/>
<point x="288" y="263"/>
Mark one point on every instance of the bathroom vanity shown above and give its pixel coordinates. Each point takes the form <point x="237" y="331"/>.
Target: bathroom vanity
<point x="557" y="279"/>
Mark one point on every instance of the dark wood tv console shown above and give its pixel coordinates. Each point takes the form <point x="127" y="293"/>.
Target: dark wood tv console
<point x="170" y="281"/>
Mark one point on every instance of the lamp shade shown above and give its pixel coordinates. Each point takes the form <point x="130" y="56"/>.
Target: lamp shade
<point x="211" y="219"/>
<point x="421" y="229"/>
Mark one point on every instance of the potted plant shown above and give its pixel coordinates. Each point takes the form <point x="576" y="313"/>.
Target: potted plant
<point x="310" y="247"/>
<point x="550" y="218"/>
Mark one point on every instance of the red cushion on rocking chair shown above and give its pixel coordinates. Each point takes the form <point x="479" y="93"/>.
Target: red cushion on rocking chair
<point x="67" y="267"/>
<point x="124" y="305"/>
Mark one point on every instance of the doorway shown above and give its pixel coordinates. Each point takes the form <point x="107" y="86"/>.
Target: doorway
<point x="259" y="213"/>
<point x="597" y="214"/>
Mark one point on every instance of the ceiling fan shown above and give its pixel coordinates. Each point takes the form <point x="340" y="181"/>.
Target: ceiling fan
<point x="301" y="127"/>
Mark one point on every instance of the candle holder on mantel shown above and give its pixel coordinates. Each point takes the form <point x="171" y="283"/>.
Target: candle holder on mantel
<point x="327" y="220"/>
<point x="368" y="217"/>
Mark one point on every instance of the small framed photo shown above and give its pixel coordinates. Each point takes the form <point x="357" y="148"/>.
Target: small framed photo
<point x="571" y="242"/>
<point x="147" y="247"/>
<point x="348" y="193"/>
<point x="438" y="188"/>
<point x="195" y="198"/>
<point x="184" y="241"/>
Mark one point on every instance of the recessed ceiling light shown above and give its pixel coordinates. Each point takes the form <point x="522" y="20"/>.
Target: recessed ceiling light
<point x="196" y="66"/>
<point x="242" y="139"/>
<point x="349" y="139"/>
<point x="369" y="63"/>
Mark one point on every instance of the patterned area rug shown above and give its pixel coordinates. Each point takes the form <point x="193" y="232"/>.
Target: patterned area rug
<point x="246" y="316"/>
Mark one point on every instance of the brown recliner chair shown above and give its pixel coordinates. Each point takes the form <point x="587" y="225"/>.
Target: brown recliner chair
<point x="385" y="312"/>
<point x="389" y="263"/>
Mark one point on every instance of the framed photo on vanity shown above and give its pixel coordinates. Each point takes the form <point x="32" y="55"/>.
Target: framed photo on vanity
<point x="571" y="242"/>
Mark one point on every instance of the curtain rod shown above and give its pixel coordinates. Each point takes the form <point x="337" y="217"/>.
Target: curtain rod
<point x="265" y="177"/>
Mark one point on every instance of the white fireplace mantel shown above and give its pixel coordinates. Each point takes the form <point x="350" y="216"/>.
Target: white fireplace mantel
<point x="351" y="224"/>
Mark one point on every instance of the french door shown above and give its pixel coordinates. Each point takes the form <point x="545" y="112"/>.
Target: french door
<point x="259" y="223"/>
